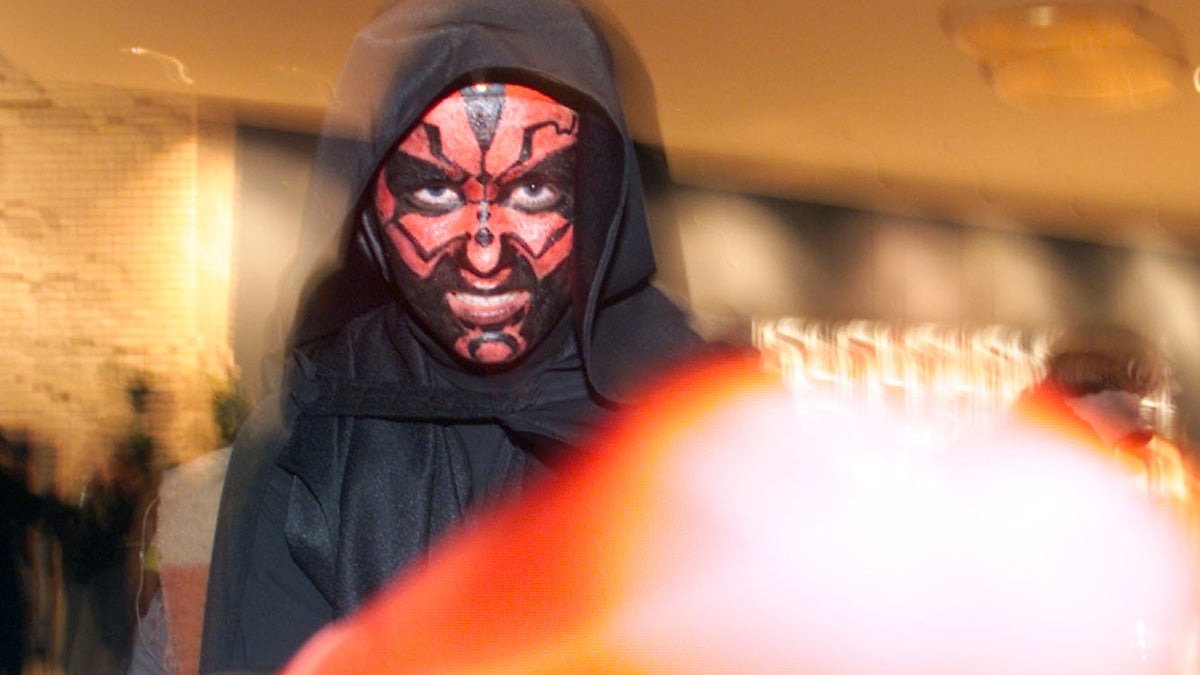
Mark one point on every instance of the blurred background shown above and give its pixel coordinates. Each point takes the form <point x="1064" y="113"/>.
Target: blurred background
<point x="918" y="174"/>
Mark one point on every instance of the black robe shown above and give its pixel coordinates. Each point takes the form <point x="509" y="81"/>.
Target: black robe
<point x="379" y="442"/>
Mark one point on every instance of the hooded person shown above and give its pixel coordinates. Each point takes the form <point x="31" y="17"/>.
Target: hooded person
<point x="490" y="306"/>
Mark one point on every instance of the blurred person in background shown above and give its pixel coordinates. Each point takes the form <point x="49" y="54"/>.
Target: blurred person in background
<point x="176" y="566"/>
<point x="1098" y="376"/>
<point x="490" y="306"/>
<point x="176" y="543"/>
<point x="101" y="566"/>
<point x="19" y="509"/>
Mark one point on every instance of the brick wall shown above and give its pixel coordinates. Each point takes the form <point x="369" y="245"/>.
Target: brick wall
<point x="115" y="228"/>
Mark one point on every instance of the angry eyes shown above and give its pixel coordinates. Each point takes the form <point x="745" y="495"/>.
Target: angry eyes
<point x="530" y="195"/>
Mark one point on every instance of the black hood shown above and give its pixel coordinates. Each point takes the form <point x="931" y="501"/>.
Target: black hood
<point x="376" y="447"/>
<point x="411" y="56"/>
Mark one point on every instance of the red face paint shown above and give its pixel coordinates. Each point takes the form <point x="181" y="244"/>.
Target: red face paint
<point x="478" y="204"/>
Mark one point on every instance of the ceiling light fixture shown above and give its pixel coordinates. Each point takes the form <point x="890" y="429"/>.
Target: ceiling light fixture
<point x="1072" y="56"/>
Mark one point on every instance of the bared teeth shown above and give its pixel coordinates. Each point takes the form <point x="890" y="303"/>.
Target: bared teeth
<point x="480" y="309"/>
<point x="486" y="300"/>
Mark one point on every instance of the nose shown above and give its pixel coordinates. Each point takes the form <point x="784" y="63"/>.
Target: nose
<point x="483" y="247"/>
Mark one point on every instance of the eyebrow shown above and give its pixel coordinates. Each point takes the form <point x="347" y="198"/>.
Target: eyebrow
<point x="403" y="172"/>
<point x="557" y="166"/>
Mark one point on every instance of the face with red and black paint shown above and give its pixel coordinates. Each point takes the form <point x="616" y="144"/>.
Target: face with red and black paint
<point x="477" y="203"/>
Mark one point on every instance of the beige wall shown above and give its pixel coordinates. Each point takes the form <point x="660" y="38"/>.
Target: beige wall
<point x="115" y="223"/>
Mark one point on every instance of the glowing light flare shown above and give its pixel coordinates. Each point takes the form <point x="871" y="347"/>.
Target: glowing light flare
<point x="946" y="379"/>
<point x="729" y="527"/>
<point x="172" y="67"/>
<point x="828" y="544"/>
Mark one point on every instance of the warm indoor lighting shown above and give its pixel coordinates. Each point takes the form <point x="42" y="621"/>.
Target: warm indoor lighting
<point x="1077" y="56"/>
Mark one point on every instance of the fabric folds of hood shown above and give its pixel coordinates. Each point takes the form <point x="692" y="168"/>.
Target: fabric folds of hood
<point x="372" y="449"/>
<point x="408" y="58"/>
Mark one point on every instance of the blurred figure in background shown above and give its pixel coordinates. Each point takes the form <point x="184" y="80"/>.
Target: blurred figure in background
<point x="1097" y="379"/>
<point x="19" y="509"/>
<point x="101" y="567"/>
<point x="180" y="548"/>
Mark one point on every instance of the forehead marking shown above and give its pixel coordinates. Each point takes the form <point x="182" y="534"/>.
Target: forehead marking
<point x="484" y="104"/>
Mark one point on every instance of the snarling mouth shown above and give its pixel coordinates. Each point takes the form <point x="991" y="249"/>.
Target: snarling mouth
<point x="488" y="311"/>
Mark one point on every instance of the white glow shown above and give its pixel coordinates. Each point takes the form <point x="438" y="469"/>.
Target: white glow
<point x="806" y="541"/>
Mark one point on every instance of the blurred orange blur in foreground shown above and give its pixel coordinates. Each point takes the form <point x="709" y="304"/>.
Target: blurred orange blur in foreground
<point x="728" y="527"/>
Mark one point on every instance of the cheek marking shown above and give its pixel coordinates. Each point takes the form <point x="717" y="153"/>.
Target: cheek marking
<point x="409" y="254"/>
<point x="431" y="235"/>
<point x="554" y="256"/>
<point x="423" y="256"/>
<point x="542" y="239"/>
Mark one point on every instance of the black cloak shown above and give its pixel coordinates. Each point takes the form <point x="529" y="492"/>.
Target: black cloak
<point x="377" y="442"/>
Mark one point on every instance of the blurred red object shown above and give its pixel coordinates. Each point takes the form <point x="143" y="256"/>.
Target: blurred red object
<point x="726" y="527"/>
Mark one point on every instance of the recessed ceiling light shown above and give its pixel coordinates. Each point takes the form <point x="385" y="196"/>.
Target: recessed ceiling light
<point x="1074" y="56"/>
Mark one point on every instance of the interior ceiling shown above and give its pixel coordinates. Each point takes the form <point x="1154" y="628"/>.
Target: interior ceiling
<point x="855" y="102"/>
